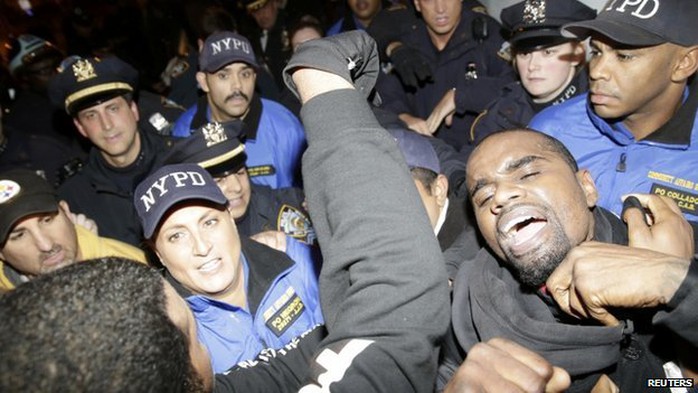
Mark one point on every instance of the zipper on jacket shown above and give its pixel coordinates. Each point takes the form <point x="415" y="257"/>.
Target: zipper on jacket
<point x="621" y="164"/>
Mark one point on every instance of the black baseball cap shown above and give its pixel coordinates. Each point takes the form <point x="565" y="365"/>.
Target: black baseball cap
<point x="225" y="47"/>
<point x="642" y="24"/>
<point x="170" y="185"/>
<point x="23" y="193"/>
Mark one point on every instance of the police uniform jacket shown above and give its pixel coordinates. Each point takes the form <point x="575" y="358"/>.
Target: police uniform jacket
<point x="489" y="302"/>
<point x="282" y="302"/>
<point x="105" y="194"/>
<point x="514" y="108"/>
<point x="663" y="163"/>
<point x="277" y="210"/>
<point x="273" y="136"/>
<point x="450" y="70"/>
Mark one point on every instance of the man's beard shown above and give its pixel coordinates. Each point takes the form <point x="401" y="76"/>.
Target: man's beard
<point x="534" y="268"/>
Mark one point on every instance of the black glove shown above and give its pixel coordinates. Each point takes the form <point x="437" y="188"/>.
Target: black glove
<point x="352" y="55"/>
<point x="410" y="66"/>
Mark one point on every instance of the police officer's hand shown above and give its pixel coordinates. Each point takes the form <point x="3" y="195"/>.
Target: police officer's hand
<point x="416" y="124"/>
<point x="595" y="277"/>
<point x="79" y="218"/>
<point x="500" y="365"/>
<point x="443" y="112"/>
<point x="661" y="228"/>
<point x="410" y="65"/>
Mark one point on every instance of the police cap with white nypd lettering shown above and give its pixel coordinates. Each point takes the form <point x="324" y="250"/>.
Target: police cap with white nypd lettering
<point x="535" y="24"/>
<point x="85" y="82"/>
<point x="225" y="47"/>
<point x="216" y="147"/>
<point x="170" y="185"/>
<point x="642" y="23"/>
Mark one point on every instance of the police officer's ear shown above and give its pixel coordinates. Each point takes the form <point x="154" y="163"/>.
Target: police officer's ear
<point x="588" y="186"/>
<point x="686" y="65"/>
<point x="439" y="189"/>
<point x="203" y="84"/>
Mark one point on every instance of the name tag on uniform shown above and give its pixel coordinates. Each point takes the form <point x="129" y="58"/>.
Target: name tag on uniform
<point x="687" y="201"/>
<point x="261" y="170"/>
<point x="284" y="312"/>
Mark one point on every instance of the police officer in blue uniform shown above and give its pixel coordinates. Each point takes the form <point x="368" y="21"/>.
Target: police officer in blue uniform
<point x="551" y="67"/>
<point x="255" y="208"/>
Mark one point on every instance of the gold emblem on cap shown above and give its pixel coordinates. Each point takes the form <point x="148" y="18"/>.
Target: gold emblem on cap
<point x="214" y="134"/>
<point x="83" y="70"/>
<point x="256" y="5"/>
<point x="534" y="11"/>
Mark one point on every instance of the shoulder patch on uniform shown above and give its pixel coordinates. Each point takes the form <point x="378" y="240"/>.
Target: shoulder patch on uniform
<point x="504" y="52"/>
<point x="168" y="103"/>
<point x="284" y="312"/>
<point x="480" y="9"/>
<point x="293" y="222"/>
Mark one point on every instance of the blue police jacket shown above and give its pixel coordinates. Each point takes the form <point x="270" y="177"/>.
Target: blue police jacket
<point x="663" y="163"/>
<point x="282" y="302"/>
<point x="274" y="140"/>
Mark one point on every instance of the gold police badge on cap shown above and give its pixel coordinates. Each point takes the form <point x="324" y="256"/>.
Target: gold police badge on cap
<point x="83" y="70"/>
<point x="534" y="12"/>
<point x="213" y="134"/>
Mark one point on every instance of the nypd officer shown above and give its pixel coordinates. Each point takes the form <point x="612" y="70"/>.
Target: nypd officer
<point x="460" y="42"/>
<point x="254" y="207"/>
<point x="245" y="296"/>
<point x="99" y="95"/>
<point x="551" y="67"/>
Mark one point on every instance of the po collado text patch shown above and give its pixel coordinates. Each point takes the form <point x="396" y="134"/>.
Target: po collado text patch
<point x="284" y="312"/>
<point x="688" y="202"/>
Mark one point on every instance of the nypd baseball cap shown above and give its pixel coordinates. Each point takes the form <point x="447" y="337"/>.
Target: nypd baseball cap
<point x="643" y="23"/>
<point x="170" y="185"/>
<point x="416" y="149"/>
<point x="535" y="24"/>
<point x="214" y="146"/>
<point x="85" y="82"/>
<point x="225" y="47"/>
<point x="23" y="193"/>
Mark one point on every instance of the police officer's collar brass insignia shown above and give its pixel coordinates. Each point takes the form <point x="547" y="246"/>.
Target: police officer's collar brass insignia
<point x="534" y="12"/>
<point x="83" y="70"/>
<point x="213" y="134"/>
